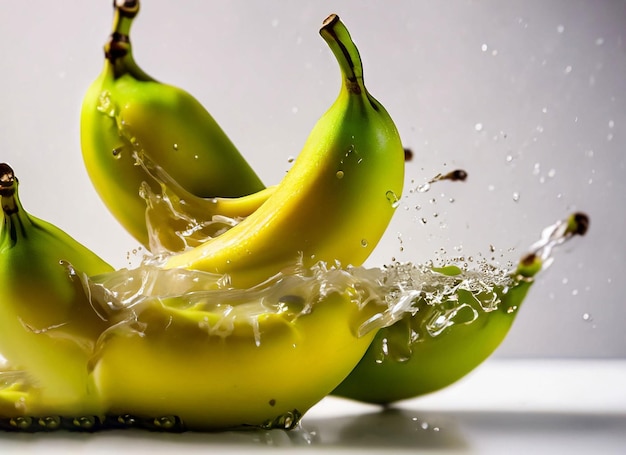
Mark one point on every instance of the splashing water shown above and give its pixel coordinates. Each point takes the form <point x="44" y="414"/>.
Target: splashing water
<point x="392" y="291"/>
<point x="177" y="211"/>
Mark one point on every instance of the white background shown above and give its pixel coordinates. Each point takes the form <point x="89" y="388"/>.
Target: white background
<point x="529" y="97"/>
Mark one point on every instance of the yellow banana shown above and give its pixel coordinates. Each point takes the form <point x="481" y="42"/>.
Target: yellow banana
<point x="48" y="329"/>
<point x="126" y="111"/>
<point x="224" y="358"/>
<point x="336" y="201"/>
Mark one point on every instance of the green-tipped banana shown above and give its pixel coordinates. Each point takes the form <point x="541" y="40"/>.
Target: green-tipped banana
<point x="335" y="202"/>
<point x="126" y="111"/>
<point x="48" y="328"/>
<point x="444" y="337"/>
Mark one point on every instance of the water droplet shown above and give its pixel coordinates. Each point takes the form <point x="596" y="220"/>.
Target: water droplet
<point x="105" y="104"/>
<point x="364" y="243"/>
<point x="484" y="48"/>
<point x="478" y="127"/>
<point x="544" y="110"/>
<point x="568" y="69"/>
<point x="560" y="28"/>
<point x="117" y="152"/>
<point x="84" y="422"/>
<point x="50" y="422"/>
<point x="551" y="173"/>
<point x="22" y="423"/>
<point x="575" y="292"/>
<point x="339" y="174"/>
<point x="275" y="23"/>
<point x="175" y="146"/>
<point x="290" y="159"/>
<point x="516" y="196"/>
<point x="509" y="158"/>
<point x="611" y="123"/>
<point x="587" y="317"/>
<point x="294" y="110"/>
<point x="424" y="187"/>
<point x="599" y="41"/>
<point x="165" y="422"/>
<point x="393" y="199"/>
<point x="536" y="169"/>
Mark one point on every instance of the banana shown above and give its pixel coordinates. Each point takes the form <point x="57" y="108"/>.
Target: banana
<point x="336" y="201"/>
<point x="224" y="358"/>
<point x="126" y="111"/>
<point x="444" y="337"/>
<point x="48" y="328"/>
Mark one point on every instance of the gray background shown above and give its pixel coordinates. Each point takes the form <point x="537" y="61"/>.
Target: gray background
<point x="527" y="96"/>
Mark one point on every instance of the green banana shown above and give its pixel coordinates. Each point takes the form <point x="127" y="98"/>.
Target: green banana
<point x="443" y="338"/>
<point x="48" y="327"/>
<point x="336" y="201"/>
<point x="126" y="111"/>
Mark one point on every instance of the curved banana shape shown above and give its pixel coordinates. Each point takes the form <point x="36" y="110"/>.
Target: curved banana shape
<point x="336" y="201"/>
<point x="48" y="328"/>
<point x="126" y="111"/>
<point x="440" y="340"/>
<point x="218" y="359"/>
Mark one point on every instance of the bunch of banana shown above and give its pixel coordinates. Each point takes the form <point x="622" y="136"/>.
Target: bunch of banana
<point x="48" y="328"/>
<point x="254" y="320"/>
<point x="336" y="201"/>
<point x="434" y="345"/>
<point x="126" y="114"/>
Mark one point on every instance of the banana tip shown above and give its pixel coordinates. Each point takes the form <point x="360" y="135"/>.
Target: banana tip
<point x="578" y="223"/>
<point x="330" y="20"/>
<point x="129" y="8"/>
<point x="7" y="176"/>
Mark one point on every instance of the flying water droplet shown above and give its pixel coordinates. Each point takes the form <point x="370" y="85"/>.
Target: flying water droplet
<point x="478" y="127"/>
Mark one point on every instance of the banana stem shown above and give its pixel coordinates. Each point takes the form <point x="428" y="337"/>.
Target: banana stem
<point x="119" y="41"/>
<point x="8" y="183"/>
<point x="338" y="39"/>
<point x="14" y="216"/>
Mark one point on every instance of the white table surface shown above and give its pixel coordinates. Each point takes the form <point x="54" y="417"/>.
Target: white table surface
<point x="505" y="406"/>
